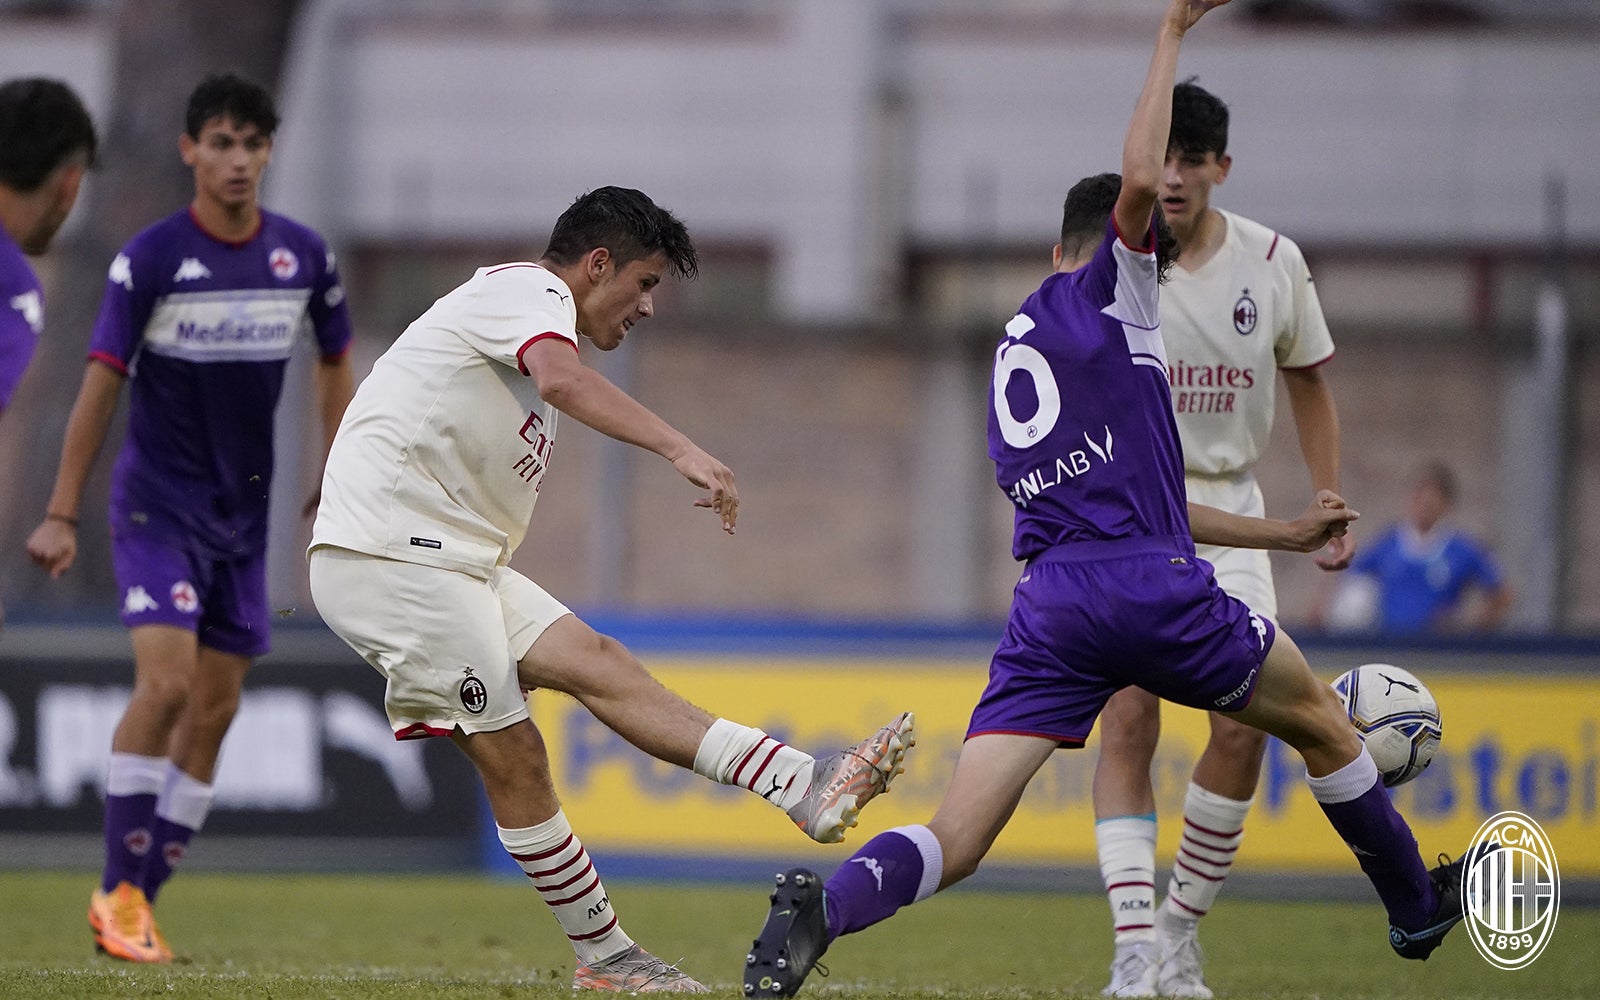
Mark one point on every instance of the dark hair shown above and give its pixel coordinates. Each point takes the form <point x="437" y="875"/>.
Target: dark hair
<point x="231" y="97"/>
<point x="625" y="222"/>
<point x="1089" y="205"/>
<point x="42" y="122"/>
<point x="1437" y="474"/>
<point x="1199" y="120"/>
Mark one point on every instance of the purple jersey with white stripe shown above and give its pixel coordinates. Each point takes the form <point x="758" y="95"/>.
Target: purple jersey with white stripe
<point x="21" y="315"/>
<point x="1080" y="414"/>
<point x="204" y="327"/>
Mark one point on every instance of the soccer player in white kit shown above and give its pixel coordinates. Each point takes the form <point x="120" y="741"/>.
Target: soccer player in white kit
<point x="428" y="491"/>
<point x="1238" y="309"/>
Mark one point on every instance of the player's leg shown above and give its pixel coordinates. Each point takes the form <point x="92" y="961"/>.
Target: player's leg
<point x="1292" y="704"/>
<point x="188" y="787"/>
<point x="162" y="616"/>
<point x="438" y="638"/>
<point x="1035" y="701"/>
<point x="1214" y="809"/>
<point x="1125" y="836"/>
<point x="1224" y="783"/>
<point x="897" y="867"/>
<point x="557" y="650"/>
<point x="515" y="769"/>
<point x="164" y="658"/>
<point x="233" y="627"/>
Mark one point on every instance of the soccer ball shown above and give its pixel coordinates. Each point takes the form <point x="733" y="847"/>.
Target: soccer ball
<point x="1397" y="717"/>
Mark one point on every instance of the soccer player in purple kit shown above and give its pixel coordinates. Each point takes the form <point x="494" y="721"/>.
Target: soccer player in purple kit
<point x="47" y="143"/>
<point x="200" y="313"/>
<point x="1082" y="433"/>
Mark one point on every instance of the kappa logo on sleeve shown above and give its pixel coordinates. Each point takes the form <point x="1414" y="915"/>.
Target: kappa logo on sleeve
<point x="32" y="310"/>
<point x="121" y="271"/>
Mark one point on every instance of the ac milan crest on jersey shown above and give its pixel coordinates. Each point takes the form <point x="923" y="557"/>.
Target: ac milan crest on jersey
<point x="284" y="263"/>
<point x="1244" y="314"/>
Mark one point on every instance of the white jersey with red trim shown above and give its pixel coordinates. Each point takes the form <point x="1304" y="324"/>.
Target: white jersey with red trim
<point x="441" y="453"/>
<point x="1228" y="326"/>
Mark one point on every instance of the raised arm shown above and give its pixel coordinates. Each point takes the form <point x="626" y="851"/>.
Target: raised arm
<point x="1144" y="151"/>
<point x="584" y="394"/>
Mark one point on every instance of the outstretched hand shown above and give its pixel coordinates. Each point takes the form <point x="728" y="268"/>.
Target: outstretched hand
<point x="708" y="473"/>
<point x="1326" y="519"/>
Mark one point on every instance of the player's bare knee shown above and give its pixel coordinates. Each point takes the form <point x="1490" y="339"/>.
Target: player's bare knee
<point x="211" y="716"/>
<point x="1235" y="742"/>
<point x="161" y="694"/>
<point x="1130" y="726"/>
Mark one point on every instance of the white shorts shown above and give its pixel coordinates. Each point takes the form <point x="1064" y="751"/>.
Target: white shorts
<point x="447" y="643"/>
<point x="1242" y="573"/>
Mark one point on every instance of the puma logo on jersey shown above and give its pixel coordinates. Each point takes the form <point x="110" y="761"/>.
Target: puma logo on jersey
<point x="558" y="295"/>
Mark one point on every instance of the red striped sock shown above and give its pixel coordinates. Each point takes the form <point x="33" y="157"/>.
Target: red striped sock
<point x="551" y="855"/>
<point x="1213" y="826"/>
<point x="732" y="754"/>
<point x="1127" y="848"/>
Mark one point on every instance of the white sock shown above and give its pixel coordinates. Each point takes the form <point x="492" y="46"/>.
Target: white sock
<point x="1127" y="846"/>
<point x="1348" y="783"/>
<point x="134" y="774"/>
<point x="553" y="857"/>
<point x="1213" y="826"/>
<point x="732" y="754"/>
<point x="932" y="858"/>
<point x="184" y="800"/>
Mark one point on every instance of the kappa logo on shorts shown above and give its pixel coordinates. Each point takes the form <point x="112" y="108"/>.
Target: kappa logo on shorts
<point x="138" y="600"/>
<point x="474" y="696"/>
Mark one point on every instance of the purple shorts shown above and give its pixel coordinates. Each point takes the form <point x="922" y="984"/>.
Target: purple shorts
<point x="1090" y="618"/>
<point x="222" y="599"/>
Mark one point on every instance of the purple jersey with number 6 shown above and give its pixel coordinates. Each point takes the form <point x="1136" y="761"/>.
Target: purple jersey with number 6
<point x="1084" y="443"/>
<point x="1080" y="418"/>
<point x="204" y="327"/>
<point x="21" y="315"/>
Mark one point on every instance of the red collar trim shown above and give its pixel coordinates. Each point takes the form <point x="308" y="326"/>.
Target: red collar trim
<point x="235" y="244"/>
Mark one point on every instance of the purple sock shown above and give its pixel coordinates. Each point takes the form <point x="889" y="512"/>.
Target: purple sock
<point x="184" y="804"/>
<point x="170" y="842"/>
<point x="128" y="838"/>
<point x="894" y="869"/>
<point x="132" y="786"/>
<point x="1358" y="806"/>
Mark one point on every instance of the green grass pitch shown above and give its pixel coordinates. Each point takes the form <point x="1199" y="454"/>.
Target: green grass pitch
<point x="323" y="937"/>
